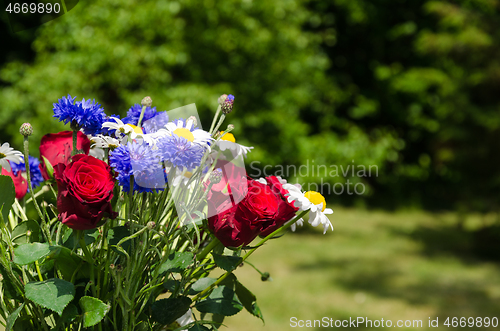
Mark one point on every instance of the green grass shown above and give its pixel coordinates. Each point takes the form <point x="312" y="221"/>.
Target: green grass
<point x="397" y="266"/>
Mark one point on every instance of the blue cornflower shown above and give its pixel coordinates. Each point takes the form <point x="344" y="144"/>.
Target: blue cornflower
<point x="86" y="114"/>
<point x="134" y="113"/>
<point x="141" y="161"/>
<point x="108" y="131"/>
<point x="155" y="123"/>
<point x="35" y="173"/>
<point x="180" y="152"/>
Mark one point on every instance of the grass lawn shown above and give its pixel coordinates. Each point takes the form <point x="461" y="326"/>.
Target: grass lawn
<point x="397" y="266"/>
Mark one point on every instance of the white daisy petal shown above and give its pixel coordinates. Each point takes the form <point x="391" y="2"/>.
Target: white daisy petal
<point x="7" y="154"/>
<point x="317" y="215"/>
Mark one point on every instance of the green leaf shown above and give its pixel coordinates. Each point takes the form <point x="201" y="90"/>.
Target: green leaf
<point x="94" y="310"/>
<point x="54" y="293"/>
<point x="202" y="284"/>
<point x="69" y="314"/>
<point x="249" y="300"/>
<point x="177" y="262"/>
<point x="222" y="301"/>
<point x="166" y="311"/>
<point x="198" y="327"/>
<point x="217" y="319"/>
<point x="67" y="262"/>
<point x="20" y="232"/>
<point x="227" y="262"/>
<point x="29" y="253"/>
<point x="89" y="237"/>
<point x="10" y="290"/>
<point x="171" y="285"/>
<point x="115" y="235"/>
<point x="7" y="195"/>
<point x="49" y="167"/>
<point x="13" y="317"/>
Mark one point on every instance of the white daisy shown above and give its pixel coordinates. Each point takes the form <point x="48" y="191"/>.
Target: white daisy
<point x="188" y="131"/>
<point x="299" y="222"/>
<point x="312" y="201"/>
<point x="7" y="154"/>
<point x="121" y="128"/>
<point x="105" y="142"/>
<point x="227" y="142"/>
<point x="150" y="138"/>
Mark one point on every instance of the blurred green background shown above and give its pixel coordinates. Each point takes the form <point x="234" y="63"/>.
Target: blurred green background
<point x="409" y="86"/>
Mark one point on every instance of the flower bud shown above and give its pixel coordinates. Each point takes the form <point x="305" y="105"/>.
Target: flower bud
<point x="112" y="266"/>
<point x="151" y="225"/>
<point x="222" y="98"/>
<point x="265" y="276"/>
<point x="26" y="129"/>
<point x="216" y="176"/>
<point x="147" y="101"/>
<point x="227" y="105"/>
<point x="230" y="128"/>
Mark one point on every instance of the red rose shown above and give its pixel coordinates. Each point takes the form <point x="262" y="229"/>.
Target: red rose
<point x="240" y="224"/>
<point x="260" y="203"/>
<point x="85" y="189"/>
<point x="229" y="228"/>
<point x="286" y="211"/>
<point x="20" y="183"/>
<point x="57" y="147"/>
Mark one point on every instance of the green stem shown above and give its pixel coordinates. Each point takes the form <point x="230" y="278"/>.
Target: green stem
<point x="224" y="276"/>
<point x="28" y="176"/>
<point x="211" y="245"/>
<point x="223" y="116"/>
<point x="90" y="261"/>
<point x="141" y="117"/>
<point x="75" y="143"/>
<point x="63" y="3"/>
<point x="215" y="119"/>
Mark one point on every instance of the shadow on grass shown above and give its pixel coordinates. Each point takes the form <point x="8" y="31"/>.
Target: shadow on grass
<point x="482" y="244"/>
<point x="448" y="295"/>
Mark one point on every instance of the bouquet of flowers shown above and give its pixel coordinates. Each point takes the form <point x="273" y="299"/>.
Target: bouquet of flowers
<point x="133" y="214"/>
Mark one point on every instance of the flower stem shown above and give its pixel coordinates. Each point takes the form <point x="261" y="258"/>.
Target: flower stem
<point x="211" y="245"/>
<point x="89" y="258"/>
<point x="224" y="276"/>
<point x="75" y="143"/>
<point x="142" y="116"/>
<point x="215" y="119"/>
<point x="37" y="207"/>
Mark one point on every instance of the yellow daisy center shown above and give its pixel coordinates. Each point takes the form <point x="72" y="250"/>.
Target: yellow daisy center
<point x="316" y="198"/>
<point x="228" y="137"/>
<point x="188" y="174"/>
<point x="184" y="133"/>
<point x="136" y="129"/>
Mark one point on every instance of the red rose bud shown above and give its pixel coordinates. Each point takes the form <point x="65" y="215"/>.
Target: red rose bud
<point x="57" y="147"/>
<point x="85" y="189"/>
<point x="20" y="183"/>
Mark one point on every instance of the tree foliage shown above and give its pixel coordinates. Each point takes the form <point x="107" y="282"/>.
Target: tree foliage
<point x="409" y="86"/>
